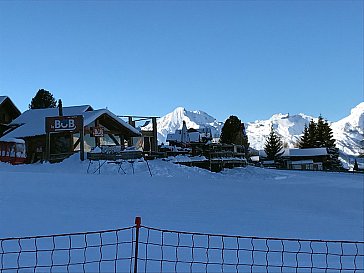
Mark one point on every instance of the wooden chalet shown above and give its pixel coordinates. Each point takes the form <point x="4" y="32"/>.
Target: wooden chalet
<point x="305" y="159"/>
<point x="8" y="112"/>
<point x="100" y="128"/>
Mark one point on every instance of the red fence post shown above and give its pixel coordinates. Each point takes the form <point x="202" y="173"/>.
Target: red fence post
<point x="138" y="222"/>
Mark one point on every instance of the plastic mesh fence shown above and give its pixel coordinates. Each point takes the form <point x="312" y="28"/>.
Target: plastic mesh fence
<point x="104" y="251"/>
<point x="175" y="251"/>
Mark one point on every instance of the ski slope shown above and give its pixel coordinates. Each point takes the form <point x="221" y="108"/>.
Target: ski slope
<point x="60" y="198"/>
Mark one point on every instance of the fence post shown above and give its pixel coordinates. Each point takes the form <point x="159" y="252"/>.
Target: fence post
<point x="138" y="222"/>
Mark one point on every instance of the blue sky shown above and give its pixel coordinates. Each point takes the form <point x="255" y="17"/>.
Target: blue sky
<point x="246" y="58"/>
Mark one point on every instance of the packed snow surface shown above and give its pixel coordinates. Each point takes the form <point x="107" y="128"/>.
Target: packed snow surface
<point x="61" y="198"/>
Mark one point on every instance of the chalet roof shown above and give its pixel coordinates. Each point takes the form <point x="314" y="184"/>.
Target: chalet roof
<point x="307" y="152"/>
<point x="3" y="99"/>
<point x="32" y="121"/>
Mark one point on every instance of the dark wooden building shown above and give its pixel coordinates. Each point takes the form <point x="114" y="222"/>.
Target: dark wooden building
<point x="305" y="159"/>
<point x="8" y="112"/>
<point x="100" y="128"/>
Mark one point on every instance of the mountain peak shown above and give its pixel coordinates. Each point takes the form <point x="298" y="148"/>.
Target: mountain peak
<point x="179" y="109"/>
<point x="194" y="119"/>
<point x="348" y="132"/>
<point x="358" y="109"/>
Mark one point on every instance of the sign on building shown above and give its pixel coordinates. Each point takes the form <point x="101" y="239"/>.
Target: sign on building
<point x="97" y="131"/>
<point x="64" y="124"/>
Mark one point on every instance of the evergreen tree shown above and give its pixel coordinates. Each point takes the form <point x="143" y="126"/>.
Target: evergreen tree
<point x="304" y="141"/>
<point x="231" y="131"/>
<point x="43" y="99"/>
<point x="356" y="167"/>
<point x="319" y="135"/>
<point x="324" y="134"/>
<point x="329" y="141"/>
<point x="312" y="129"/>
<point x="273" y="145"/>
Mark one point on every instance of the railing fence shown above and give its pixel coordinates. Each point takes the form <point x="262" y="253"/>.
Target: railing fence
<point x="144" y="249"/>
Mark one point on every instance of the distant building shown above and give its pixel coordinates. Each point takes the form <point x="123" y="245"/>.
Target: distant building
<point x="185" y="137"/>
<point x="299" y="159"/>
<point x="305" y="159"/>
<point x="8" y="112"/>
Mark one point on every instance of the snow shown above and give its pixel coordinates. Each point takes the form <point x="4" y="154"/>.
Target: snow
<point x="194" y="119"/>
<point x="288" y="127"/>
<point x="2" y="98"/>
<point x="31" y="124"/>
<point x="59" y="198"/>
<point x="305" y="152"/>
<point x="348" y="132"/>
<point x="13" y="140"/>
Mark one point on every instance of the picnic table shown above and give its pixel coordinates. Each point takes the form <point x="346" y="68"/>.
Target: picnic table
<point x="118" y="158"/>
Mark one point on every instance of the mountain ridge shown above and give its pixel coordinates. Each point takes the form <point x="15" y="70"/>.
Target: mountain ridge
<point x="348" y="132"/>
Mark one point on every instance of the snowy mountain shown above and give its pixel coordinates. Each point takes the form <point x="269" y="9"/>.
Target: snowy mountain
<point x="289" y="127"/>
<point x="194" y="119"/>
<point x="348" y="131"/>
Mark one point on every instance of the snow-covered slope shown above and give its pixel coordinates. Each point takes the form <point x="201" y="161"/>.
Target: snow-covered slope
<point x="194" y="119"/>
<point x="38" y="199"/>
<point x="289" y="127"/>
<point x="349" y="131"/>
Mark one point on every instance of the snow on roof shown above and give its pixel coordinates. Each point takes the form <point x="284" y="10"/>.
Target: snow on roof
<point x="305" y="152"/>
<point x="12" y="139"/>
<point x="90" y="116"/>
<point x="299" y="162"/>
<point x="299" y="152"/>
<point x="2" y="98"/>
<point x="32" y="121"/>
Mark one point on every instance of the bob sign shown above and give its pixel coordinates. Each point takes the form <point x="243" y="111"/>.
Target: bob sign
<point x="64" y="124"/>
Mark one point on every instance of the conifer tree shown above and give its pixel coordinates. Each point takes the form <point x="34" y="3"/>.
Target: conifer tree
<point x="329" y="140"/>
<point x="305" y="139"/>
<point x="320" y="133"/>
<point x="312" y="129"/>
<point x="231" y="131"/>
<point x="43" y="99"/>
<point x="273" y="145"/>
<point x="356" y="167"/>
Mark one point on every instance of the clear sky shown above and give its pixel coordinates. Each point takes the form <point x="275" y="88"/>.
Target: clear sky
<point x="246" y="58"/>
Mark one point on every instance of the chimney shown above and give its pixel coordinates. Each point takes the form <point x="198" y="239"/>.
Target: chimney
<point x="60" y="108"/>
